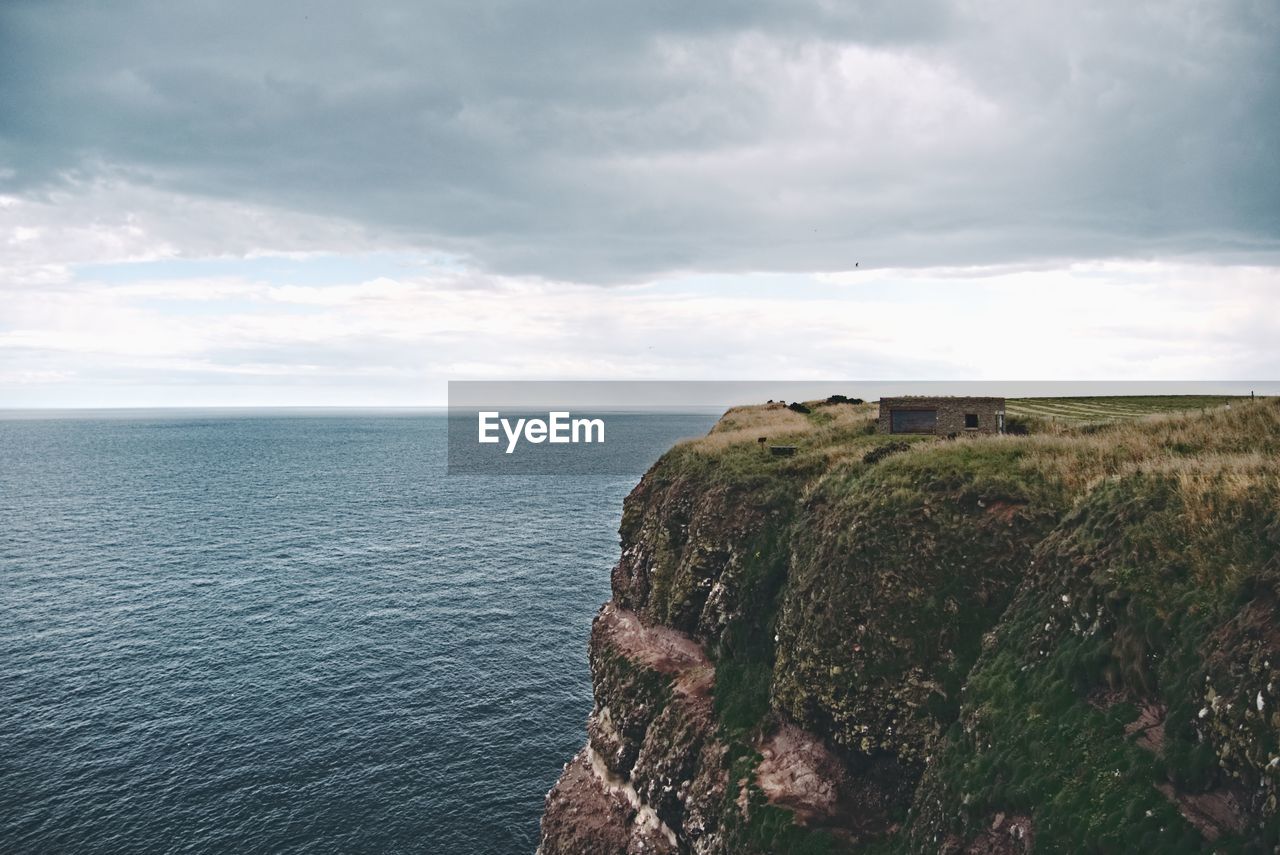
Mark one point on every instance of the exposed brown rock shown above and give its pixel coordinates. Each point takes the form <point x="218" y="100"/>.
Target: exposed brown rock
<point x="652" y="763"/>
<point x="658" y="648"/>
<point x="799" y="772"/>
<point x="1008" y="835"/>
<point x="1149" y="726"/>
<point x="581" y="816"/>
<point x="1213" y="814"/>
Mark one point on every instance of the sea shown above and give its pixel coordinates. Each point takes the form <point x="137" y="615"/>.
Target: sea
<point x="290" y="631"/>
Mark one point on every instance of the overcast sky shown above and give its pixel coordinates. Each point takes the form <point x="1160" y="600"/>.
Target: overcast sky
<point x="322" y="203"/>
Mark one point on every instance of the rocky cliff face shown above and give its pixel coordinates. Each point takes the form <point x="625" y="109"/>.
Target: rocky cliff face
<point x="1061" y="642"/>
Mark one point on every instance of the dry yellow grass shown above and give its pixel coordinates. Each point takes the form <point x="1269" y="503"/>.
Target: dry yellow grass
<point x="1171" y="441"/>
<point x="1221" y="450"/>
<point x="779" y="425"/>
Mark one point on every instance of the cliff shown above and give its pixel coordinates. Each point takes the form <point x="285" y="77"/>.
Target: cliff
<point x="1060" y="642"/>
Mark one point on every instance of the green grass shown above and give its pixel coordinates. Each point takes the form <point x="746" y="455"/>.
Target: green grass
<point x="1132" y="598"/>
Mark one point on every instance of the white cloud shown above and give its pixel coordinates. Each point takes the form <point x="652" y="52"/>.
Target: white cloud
<point x="115" y="221"/>
<point x="403" y="337"/>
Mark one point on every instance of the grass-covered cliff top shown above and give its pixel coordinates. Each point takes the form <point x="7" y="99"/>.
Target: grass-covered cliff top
<point x="1070" y="442"/>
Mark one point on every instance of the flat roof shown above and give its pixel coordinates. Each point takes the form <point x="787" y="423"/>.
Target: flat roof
<point x="941" y="398"/>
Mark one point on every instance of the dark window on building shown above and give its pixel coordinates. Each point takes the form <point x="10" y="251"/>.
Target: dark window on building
<point x="913" y="421"/>
<point x="971" y="420"/>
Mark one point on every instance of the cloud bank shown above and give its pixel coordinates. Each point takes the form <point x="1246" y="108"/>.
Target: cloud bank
<point x="614" y="143"/>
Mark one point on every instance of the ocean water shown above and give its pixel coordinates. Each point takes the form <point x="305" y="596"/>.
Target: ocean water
<point x="276" y="632"/>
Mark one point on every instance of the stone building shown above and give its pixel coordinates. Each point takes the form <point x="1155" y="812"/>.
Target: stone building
<point x="942" y="416"/>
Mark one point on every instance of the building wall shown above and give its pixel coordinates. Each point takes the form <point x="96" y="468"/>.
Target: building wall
<point x="951" y="412"/>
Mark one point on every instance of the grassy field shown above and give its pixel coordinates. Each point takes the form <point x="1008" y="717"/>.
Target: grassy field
<point x="1112" y="408"/>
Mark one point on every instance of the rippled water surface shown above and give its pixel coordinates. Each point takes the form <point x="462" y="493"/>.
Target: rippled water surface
<point x="287" y="633"/>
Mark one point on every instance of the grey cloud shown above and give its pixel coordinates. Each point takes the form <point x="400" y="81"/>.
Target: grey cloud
<point x="613" y="142"/>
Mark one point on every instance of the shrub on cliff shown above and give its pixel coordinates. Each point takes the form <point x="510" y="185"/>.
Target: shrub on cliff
<point x="880" y="452"/>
